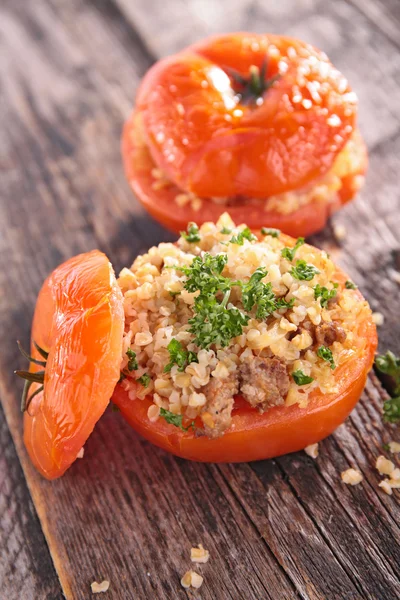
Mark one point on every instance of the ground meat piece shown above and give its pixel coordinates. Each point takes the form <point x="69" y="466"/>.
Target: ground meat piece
<point x="327" y="333"/>
<point x="216" y="414"/>
<point x="264" y="382"/>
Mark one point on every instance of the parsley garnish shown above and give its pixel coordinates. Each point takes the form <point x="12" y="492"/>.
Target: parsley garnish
<point x="226" y="231"/>
<point x="257" y="293"/>
<point x="326" y="354"/>
<point x="272" y="232"/>
<point x="213" y="323"/>
<point x="204" y="274"/>
<point x="179" y="356"/>
<point x="132" y="362"/>
<point x="324" y="294"/>
<point x="289" y="253"/>
<point x="242" y="235"/>
<point x="192" y="234"/>
<point x="303" y="271"/>
<point x="173" y="419"/>
<point x="144" y="380"/>
<point x="389" y="364"/>
<point x="301" y="378"/>
<point x="349" y="285"/>
<point x="122" y="376"/>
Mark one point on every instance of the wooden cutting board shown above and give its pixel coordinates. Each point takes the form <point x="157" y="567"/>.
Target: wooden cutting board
<point x="128" y="512"/>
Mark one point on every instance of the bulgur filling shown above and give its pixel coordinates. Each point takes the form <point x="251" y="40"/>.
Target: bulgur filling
<point x="222" y="313"/>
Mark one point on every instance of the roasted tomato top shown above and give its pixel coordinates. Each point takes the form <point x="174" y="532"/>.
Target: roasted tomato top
<point x="246" y="115"/>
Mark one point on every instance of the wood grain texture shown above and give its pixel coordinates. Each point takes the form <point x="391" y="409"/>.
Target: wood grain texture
<point x="128" y="512"/>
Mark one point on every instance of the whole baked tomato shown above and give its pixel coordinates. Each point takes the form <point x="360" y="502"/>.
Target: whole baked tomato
<point x="262" y="124"/>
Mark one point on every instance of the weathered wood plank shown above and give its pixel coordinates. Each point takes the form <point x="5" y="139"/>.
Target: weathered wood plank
<point x="277" y="529"/>
<point x="26" y="569"/>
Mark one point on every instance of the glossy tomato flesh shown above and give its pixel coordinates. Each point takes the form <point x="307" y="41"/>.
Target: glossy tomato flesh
<point x="79" y="320"/>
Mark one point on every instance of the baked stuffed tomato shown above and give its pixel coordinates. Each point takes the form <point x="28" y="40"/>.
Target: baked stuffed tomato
<point x="262" y="124"/>
<point x="226" y="346"/>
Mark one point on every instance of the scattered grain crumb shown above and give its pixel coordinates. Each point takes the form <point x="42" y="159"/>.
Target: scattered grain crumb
<point x="312" y="450"/>
<point x="339" y="232"/>
<point x="81" y="453"/>
<point x="384" y="466"/>
<point x="191" y="579"/>
<point x="395" y="475"/>
<point x="385" y="485"/>
<point x="394" y="275"/>
<point x="378" y="318"/>
<point x="97" y="588"/>
<point x="351" y="477"/>
<point x="394" y="447"/>
<point x="199" y="554"/>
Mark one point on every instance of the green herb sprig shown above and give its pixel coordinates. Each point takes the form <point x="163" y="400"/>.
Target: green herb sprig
<point x="303" y="271"/>
<point x="179" y="356"/>
<point x="301" y="378"/>
<point x="389" y="364"/>
<point x="173" y="419"/>
<point x="326" y="354"/>
<point x="289" y="253"/>
<point x="192" y="234"/>
<point x="324" y="294"/>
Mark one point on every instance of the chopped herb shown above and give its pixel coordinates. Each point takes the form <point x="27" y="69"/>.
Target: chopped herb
<point x="178" y="356"/>
<point x="386" y="447"/>
<point x="301" y="378"/>
<point x="122" y="376"/>
<point x="303" y="271"/>
<point x="173" y="419"/>
<point x="389" y="364"/>
<point x="204" y="274"/>
<point x="257" y="293"/>
<point x="226" y="231"/>
<point x="144" y="380"/>
<point x="173" y="294"/>
<point x="289" y="253"/>
<point x="192" y="234"/>
<point x="132" y="362"/>
<point x="349" y="285"/>
<point x="391" y="410"/>
<point x="324" y="294"/>
<point x="272" y="232"/>
<point x="326" y="354"/>
<point x="214" y="323"/>
<point x="242" y="235"/>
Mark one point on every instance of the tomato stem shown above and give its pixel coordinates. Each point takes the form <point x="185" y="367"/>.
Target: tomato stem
<point x="31" y="376"/>
<point x="251" y="89"/>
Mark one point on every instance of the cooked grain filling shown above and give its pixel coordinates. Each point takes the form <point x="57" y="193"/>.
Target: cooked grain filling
<point x="223" y="313"/>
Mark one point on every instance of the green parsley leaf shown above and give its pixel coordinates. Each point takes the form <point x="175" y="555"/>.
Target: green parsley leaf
<point x="192" y="234"/>
<point x="257" y="293"/>
<point x="326" y="354"/>
<point x="303" y="271"/>
<point x="386" y="447"/>
<point x="349" y="285"/>
<point x="391" y="410"/>
<point x="324" y="294"/>
<point x="245" y="234"/>
<point x="213" y="323"/>
<point x="272" y="232"/>
<point x="178" y="356"/>
<point x="289" y="253"/>
<point x="226" y="231"/>
<point x="204" y="274"/>
<point x="173" y="419"/>
<point x="144" y="380"/>
<point x="389" y="364"/>
<point x="301" y="378"/>
<point x="132" y="362"/>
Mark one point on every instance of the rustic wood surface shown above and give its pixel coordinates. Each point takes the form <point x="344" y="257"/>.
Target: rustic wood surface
<point x="128" y="512"/>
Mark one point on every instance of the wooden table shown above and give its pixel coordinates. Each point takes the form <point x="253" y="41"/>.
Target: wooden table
<point x="128" y="512"/>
